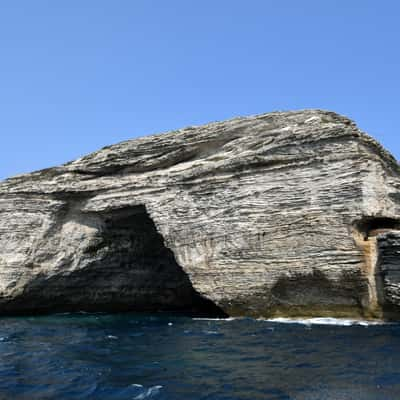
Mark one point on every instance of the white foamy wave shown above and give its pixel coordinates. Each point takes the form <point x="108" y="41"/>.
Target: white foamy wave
<point x="325" y="321"/>
<point x="147" y="393"/>
<point x="112" y="337"/>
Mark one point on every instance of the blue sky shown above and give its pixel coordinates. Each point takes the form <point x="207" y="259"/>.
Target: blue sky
<point x="76" y="75"/>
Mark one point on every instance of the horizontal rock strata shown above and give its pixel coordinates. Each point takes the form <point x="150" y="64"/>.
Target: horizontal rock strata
<point x="286" y="213"/>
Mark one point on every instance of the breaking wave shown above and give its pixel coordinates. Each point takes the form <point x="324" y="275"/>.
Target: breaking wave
<point x="325" y="321"/>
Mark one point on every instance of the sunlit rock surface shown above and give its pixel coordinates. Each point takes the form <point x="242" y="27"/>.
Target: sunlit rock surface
<point x="281" y="214"/>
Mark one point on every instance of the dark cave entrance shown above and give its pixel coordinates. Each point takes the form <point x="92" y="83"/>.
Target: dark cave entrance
<point x="380" y="243"/>
<point x="135" y="271"/>
<point x="126" y="268"/>
<point x="372" y="226"/>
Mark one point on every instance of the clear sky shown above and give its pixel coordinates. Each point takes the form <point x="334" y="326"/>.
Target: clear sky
<point x="76" y="75"/>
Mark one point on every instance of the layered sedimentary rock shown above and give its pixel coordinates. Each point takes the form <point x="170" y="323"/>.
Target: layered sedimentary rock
<point x="286" y="213"/>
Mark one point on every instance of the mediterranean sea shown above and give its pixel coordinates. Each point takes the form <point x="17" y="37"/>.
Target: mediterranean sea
<point x="131" y="356"/>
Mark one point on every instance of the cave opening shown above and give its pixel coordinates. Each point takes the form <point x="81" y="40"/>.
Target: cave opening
<point x="135" y="271"/>
<point x="126" y="268"/>
<point x="375" y="235"/>
<point x="372" y="226"/>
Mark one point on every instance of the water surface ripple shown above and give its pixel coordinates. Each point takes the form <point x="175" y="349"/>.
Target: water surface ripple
<point x="128" y="356"/>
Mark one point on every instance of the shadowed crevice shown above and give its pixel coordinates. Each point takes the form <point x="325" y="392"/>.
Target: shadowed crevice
<point x="372" y="226"/>
<point x="380" y="243"/>
<point x="388" y="274"/>
<point x="127" y="268"/>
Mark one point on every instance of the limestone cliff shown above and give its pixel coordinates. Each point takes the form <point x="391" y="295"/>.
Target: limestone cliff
<point x="286" y="213"/>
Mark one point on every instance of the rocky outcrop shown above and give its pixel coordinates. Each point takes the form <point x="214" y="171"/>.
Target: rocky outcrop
<point x="389" y="270"/>
<point x="287" y="213"/>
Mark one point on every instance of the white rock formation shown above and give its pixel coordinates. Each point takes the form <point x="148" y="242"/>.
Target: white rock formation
<point x="268" y="215"/>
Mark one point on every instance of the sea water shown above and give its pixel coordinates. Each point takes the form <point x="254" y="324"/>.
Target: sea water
<point x="128" y="356"/>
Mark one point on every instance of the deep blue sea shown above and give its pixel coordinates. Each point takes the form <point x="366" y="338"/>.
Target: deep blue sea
<point x="130" y="356"/>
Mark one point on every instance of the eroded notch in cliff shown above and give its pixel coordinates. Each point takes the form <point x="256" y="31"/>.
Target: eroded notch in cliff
<point x="373" y="226"/>
<point x="144" y="269"/>
<point x="122" y="265"/>
<point x="370" y="234"/>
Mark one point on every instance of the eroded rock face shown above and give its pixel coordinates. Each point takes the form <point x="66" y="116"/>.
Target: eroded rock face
<point x="388" y="272"/>
<point x="266" y="215"/>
